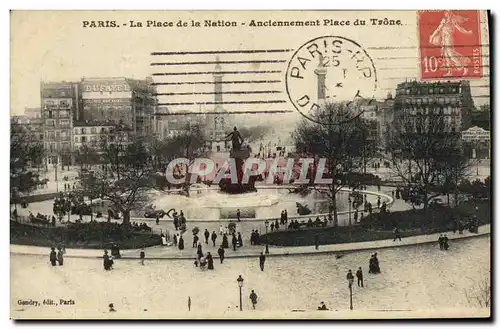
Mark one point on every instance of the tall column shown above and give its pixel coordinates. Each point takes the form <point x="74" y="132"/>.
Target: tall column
<point x="321" y="73"/>
<point x="218" y="121"/>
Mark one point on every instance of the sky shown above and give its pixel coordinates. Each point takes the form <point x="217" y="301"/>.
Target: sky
<point x="54" y="46"/>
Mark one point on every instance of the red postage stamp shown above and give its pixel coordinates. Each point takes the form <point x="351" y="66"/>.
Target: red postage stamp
<point x="450" y="44"/>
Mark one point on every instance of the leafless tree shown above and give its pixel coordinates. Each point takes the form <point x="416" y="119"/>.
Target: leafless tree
<point x="342" y="141"/>
<point x="125" y="184"/>
<point x="425" y="154"/>
<point x="479" y="294"/>
<point x="25" y="152"/>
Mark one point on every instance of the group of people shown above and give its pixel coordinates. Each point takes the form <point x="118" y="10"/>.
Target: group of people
<point x="57" y="257"/>
<point x="202" y="260"/>
<point x="255" y="238"/>
<point x="359" y="277"/>
<point x="443" y="242"/>
<point x="41" y="219"/>
<point x="179" y="219"/>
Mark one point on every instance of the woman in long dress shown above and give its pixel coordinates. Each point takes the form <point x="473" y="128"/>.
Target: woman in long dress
<point x="443" y="36"/>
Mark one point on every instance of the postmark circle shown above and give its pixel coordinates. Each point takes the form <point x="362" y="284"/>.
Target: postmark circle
<point x="329" y="69"/>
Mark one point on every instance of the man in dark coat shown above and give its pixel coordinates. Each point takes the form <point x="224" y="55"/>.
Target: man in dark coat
<point x="181" y="243"/>
<point x="214" y="237"/>
<point x="175" y="239"/>
<point x="195" y="241"/>
<point x="176" y="221"/>
<point x="252" y="238"/>
<point x="253" y="298"/>
<point x="316" y="241"/>
<point x="440" y="241"/>
<point x="53" y="256"/>
<point x="262" y="260"/>
<point x="234" y="242"/>
<point x="225" y="243"/>
<point x="210" y="261"/>
<point x="106" y="260"/>
<point x="257" y="237"/>
<point x="221" y="254"/>
<point x="207" y="235"/>
<point x="397" y="235"/>
<point x="359" y="275"/>
<point x="238" y="215"/>
<point x="445" y="242"/>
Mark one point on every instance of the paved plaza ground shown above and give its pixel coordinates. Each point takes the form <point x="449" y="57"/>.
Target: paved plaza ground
<point x="413" y="278"/>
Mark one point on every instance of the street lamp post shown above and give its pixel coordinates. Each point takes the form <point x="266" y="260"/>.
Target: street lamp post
<point x="351" y="281"/>
<point x="240" y="284"/>
<point x="349" y="210"/>
<point x="267" y="245"/>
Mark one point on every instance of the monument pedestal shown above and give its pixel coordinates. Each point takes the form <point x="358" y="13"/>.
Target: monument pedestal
<point x="226" y="185"/>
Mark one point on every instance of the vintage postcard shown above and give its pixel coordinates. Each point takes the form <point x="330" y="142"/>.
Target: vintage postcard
<point x="250" y="164"/>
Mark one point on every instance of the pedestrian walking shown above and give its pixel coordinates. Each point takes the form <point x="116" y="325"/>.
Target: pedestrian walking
<point x="234" y="242"/>
<point x="440" y="241"/>
<point x="53" y="256"/>
<point x="349" y="276"/>
<point x="207" y="235"/>
<point x="181" y="243"/>
<point x="225" y="242"/>
<point x="240" y="240"/>
<point x="378" y="202"/>
<point x="60" y="258"/>
<point x="210" y="261"/>
<point x="445" y="242"/>
<point x="359" y="275"/>
<point x="142" y="256"/>
<point x="238" y="215"/>
<point x="221" y="252"/>
<point x="189" y="303"/>
<point x="199" y="252"/>
<point x="396" y="234"/>
<point x="214" y="237"/>
<point x="175" y="239"/>
<point x="253" y="298"/>
<point x="262" y="260"/>
<point x="176" y="221"/>
<point x="195" y="240"/>
<point x="316" y="241"/>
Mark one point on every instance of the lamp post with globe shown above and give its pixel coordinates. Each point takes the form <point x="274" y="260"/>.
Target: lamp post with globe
<point x="267" y="245"/>
<point x="240" y="284"/>
<point x="350" y="280"/>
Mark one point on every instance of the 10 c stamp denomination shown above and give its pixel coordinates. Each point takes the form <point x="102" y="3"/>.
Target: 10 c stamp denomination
<point x="450" y="44"/>
<point x="329" y="69"/>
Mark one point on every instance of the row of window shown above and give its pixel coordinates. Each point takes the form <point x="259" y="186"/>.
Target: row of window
<point x="426" y="110"/>
<point x="53" y="114"/>
<point x="110" y="138"/>
<point x="63" y="123"/>
<point x="57" y="135"/>
<point x="429" y="90"/>
<point x="93" y="130"/>
<point x="437" y="100"/>
<point x="55" y="147"/>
